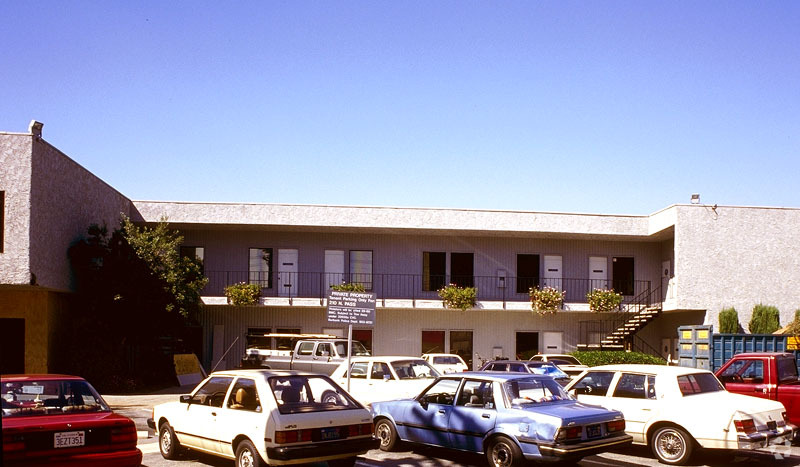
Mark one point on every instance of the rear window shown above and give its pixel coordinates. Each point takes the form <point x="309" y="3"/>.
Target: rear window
<point x="49" y="397"/>
<point x="699" y="383"/>
<point x="565" y="360"/>
<point x="446" y="360"/>
<point x="787" y="369"/>
<point x="298" y="394"/>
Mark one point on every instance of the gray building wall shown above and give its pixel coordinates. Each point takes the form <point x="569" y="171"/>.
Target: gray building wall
<point x="737" y="257"/>
<point x="15" y="175"/>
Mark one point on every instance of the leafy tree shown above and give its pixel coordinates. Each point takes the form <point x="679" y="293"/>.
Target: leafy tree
<point x="729" y="321"/>
<point x="765" y="320"/>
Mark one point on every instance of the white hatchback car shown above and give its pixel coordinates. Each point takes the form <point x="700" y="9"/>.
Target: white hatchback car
<point x="675" y="409"/>
<point x="446" y="362"/>
<point x="260" y="417"/>
<point x="375" y="379"/>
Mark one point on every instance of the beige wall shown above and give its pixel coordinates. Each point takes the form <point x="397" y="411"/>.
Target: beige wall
<point x="15" y="175"/>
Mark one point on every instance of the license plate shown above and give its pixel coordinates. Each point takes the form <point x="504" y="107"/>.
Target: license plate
<point x="68" y="439"/>
<point x="772" y="425"/>
<point x="329" y="433"/>
<point x="593" y="431"/>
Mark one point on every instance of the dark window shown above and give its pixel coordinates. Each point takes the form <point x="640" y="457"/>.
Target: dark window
<point x="213" y="392"/>
<point x="594" y="383"/>
<point x="527" y="345"/>
<point x="244" y="396"/>
<point x="623" y="275"/>
<point x="461" y="345"/>
<point x="12" y="345"/>
<point x="787" y="370"/>
<point x="699" y="383"/>
<point x="364" y="336"/>
<point x="193" y="252"/>
<point x="255" y="338"/>
<point x="2" y="218"/>
<point x="432" y="341"/>
<point x="260" y="267"/>
<point x="462" y="269"/>
<point x="286" y="343"/>
<point x="434" y="265"/>
<point x="527" y="272"/>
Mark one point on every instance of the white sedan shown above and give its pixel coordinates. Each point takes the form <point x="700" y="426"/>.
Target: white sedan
<point x="446" y="362"/>
<point x="676" y="409"/>
<point x="266" y="417"/>
<point x="375" y="379"/>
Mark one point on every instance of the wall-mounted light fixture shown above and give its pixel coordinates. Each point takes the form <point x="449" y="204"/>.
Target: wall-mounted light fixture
<point x="696" y="198"/>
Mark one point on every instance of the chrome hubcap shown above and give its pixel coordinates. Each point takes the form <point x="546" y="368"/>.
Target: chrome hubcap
<point x="670" y="445"/>
<point x="166" y="441"/>
<point x="501" y="455"/>
<point x="246" y="459"/>
<point x="384" y="434"/>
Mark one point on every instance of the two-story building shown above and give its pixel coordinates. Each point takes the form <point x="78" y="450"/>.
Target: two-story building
<point x="680" y="265"/>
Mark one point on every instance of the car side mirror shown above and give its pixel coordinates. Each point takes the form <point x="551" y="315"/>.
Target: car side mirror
<point x="186" y="398"/>
<point x="424" y="403"/>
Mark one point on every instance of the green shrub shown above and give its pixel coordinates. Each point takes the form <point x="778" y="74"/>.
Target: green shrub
<point x="458" y="298"/>
<point x="613" y="357"/>
<point x="765" y="319"/>
<point x="729" y="321"/>
<point x="546" y="299"/>
<point x="243" y="294"/>
<point x="603" y="300"/>
<point x="349" y="287"/>
<point x="794" y="326"/>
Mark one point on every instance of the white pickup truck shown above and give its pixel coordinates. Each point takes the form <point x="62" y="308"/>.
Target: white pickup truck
<point x="317" y="353"/>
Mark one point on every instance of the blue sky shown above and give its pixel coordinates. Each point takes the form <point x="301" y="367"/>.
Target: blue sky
<point x="600" y="107"/>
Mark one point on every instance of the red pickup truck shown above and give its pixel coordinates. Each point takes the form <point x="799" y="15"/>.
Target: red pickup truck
<point x="766" y="375"/>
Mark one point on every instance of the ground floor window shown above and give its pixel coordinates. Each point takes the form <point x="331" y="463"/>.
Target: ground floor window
<point x="286" y="343"/>
<point x="461" y="344"/>
<point x="364" y="336"/>
<point x="527" y="345"/>
<point x="12" y="345"/>
<point x="432" y="342"/>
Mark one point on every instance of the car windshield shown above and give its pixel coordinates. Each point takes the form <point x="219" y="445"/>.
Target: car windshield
<point x="358" y="349"/>
<point x="533" y="391"/>
<point x="564" y="360"/>
<point x="446" y="360"/>
<point x="699" y="383"/>
<point x="546" y="369"/>
<point x="47" y="397"/>
<point x="413" y="369"/>
<point x="313" y="393"/>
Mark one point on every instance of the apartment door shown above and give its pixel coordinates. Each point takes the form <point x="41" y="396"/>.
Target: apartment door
<point x="432" y="342"/>
<point x="462" y="269"/>
<point x="552" y="272"/>
<point x="527" y="345"/>
<point x="598" y="272"/>
<point x="461" y="344"/>
<point x="287" y="272"/>
<point x="622" y="275"/>
<point x="334" y="268"/>
<point x="12" y="345"/>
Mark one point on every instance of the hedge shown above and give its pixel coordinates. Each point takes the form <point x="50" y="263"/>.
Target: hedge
<point x="613" y="357"/>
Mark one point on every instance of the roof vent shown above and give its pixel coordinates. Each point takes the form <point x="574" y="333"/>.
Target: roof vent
<point x="35" y="128"/>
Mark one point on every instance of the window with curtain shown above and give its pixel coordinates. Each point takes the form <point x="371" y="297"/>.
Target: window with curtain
<point x="361" y="268"/>
<point x="259" y="271"/>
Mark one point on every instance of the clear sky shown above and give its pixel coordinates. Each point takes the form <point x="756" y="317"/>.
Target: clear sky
<point x="596" y="106"/>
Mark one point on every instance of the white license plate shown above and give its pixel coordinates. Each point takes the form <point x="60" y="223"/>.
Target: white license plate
<point x="593" y="431"/>
<point x="68" y="439"/>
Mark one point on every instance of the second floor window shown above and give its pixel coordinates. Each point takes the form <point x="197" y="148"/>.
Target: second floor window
<point x="361" y="268"/>
<point x="193" y="252"/>
<point x="260" y="268"/>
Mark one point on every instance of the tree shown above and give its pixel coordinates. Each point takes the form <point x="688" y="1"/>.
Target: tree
<point x="729" y="321"/>
<point x="765" y="320"/>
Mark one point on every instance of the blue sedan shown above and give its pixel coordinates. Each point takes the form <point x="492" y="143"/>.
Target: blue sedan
<point x="510" y="417"/>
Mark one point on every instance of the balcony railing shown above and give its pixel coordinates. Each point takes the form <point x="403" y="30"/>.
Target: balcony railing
<point x="414" y="286"/>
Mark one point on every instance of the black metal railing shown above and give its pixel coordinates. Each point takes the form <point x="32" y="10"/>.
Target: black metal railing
<point x="410" y="286"/>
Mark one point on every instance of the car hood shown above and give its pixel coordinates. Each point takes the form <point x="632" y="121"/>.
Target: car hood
<point x="572" y="411"/>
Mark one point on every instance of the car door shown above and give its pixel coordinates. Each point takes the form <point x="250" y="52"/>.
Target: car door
<point x="359" y="386"/>
<point x="198" y="425"/>
<point x="241" y="414"/>
<point x="635" y="396"/>
<point x="593" y="387"/>
<point x="304" y="355"/>
<point x="322" y="361"/>
<point x="427" y="420"/>
<point x="473" y="416"/>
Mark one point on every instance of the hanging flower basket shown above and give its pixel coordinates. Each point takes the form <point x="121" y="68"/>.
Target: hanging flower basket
<point x="546" y="300"/>
<point x="458" y="298"/>
<point x="604" y="300"/>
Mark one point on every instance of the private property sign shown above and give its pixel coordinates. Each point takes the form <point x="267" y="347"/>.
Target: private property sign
<point x="351" y="308"/>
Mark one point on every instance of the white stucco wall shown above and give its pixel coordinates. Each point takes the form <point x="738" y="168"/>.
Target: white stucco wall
<point x="15" y="176"/>
<point x="739" y="257"/>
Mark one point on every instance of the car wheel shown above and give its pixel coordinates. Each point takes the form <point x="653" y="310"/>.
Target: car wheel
<point x="247" y="456"/>
<point x="502" y="452"/>
<point x="167" y="442"/>
<point x="384" y="431"/>
<point x="672" y="445"/>
<point x="330" y="397"/>
<point x="346" y="462"/>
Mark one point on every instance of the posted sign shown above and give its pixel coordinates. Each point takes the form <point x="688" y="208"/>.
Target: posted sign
<point x="351" y="308"/>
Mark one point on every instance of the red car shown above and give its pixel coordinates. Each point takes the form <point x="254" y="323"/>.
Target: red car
<point x="62" y="420"/>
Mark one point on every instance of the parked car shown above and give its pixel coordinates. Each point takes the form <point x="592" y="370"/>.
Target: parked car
<point x="536" y="368"/>
<point x="509" y="417"/>
<point x="318" y="353"/>
<point x="674" y="410"/>
<point x="260" y="417"/>
<point x="62" y="420"/>
<point x="766" y="375"/>
<point x="567" y="363"/>
<point x="385" y="378"/>
<point x="446" y="362"/>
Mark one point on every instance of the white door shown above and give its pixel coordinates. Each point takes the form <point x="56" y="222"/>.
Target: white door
<point x="552" y="272"/>
<point x="334" y="268"/>
<point x="287" y="273"/>
<point x="552" y="341"/>
<point x="598" y="272"/>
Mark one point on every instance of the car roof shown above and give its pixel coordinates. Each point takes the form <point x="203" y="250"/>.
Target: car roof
<point x="265" y="373"/>
<point x="38" y="377"/>
<point x="500" y="376"/>
<point x="644" y="368"/>
<point x="763" y="354"/>
<point x="524" y="362"/>
<point x="384" y="358"/>
<point x="440" y="354"/>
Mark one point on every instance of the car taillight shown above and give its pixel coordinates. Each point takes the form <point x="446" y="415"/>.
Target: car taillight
<point x="745" y="426"/>
<point x="785" y="417"/>
<point x="124" y="434"/>
<point x="13" y="443"/>
<point x="359" y="430"/>
<point x="569" y="433"/>
<point x="615" y="426"/>
<point x="292" y="436"/>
